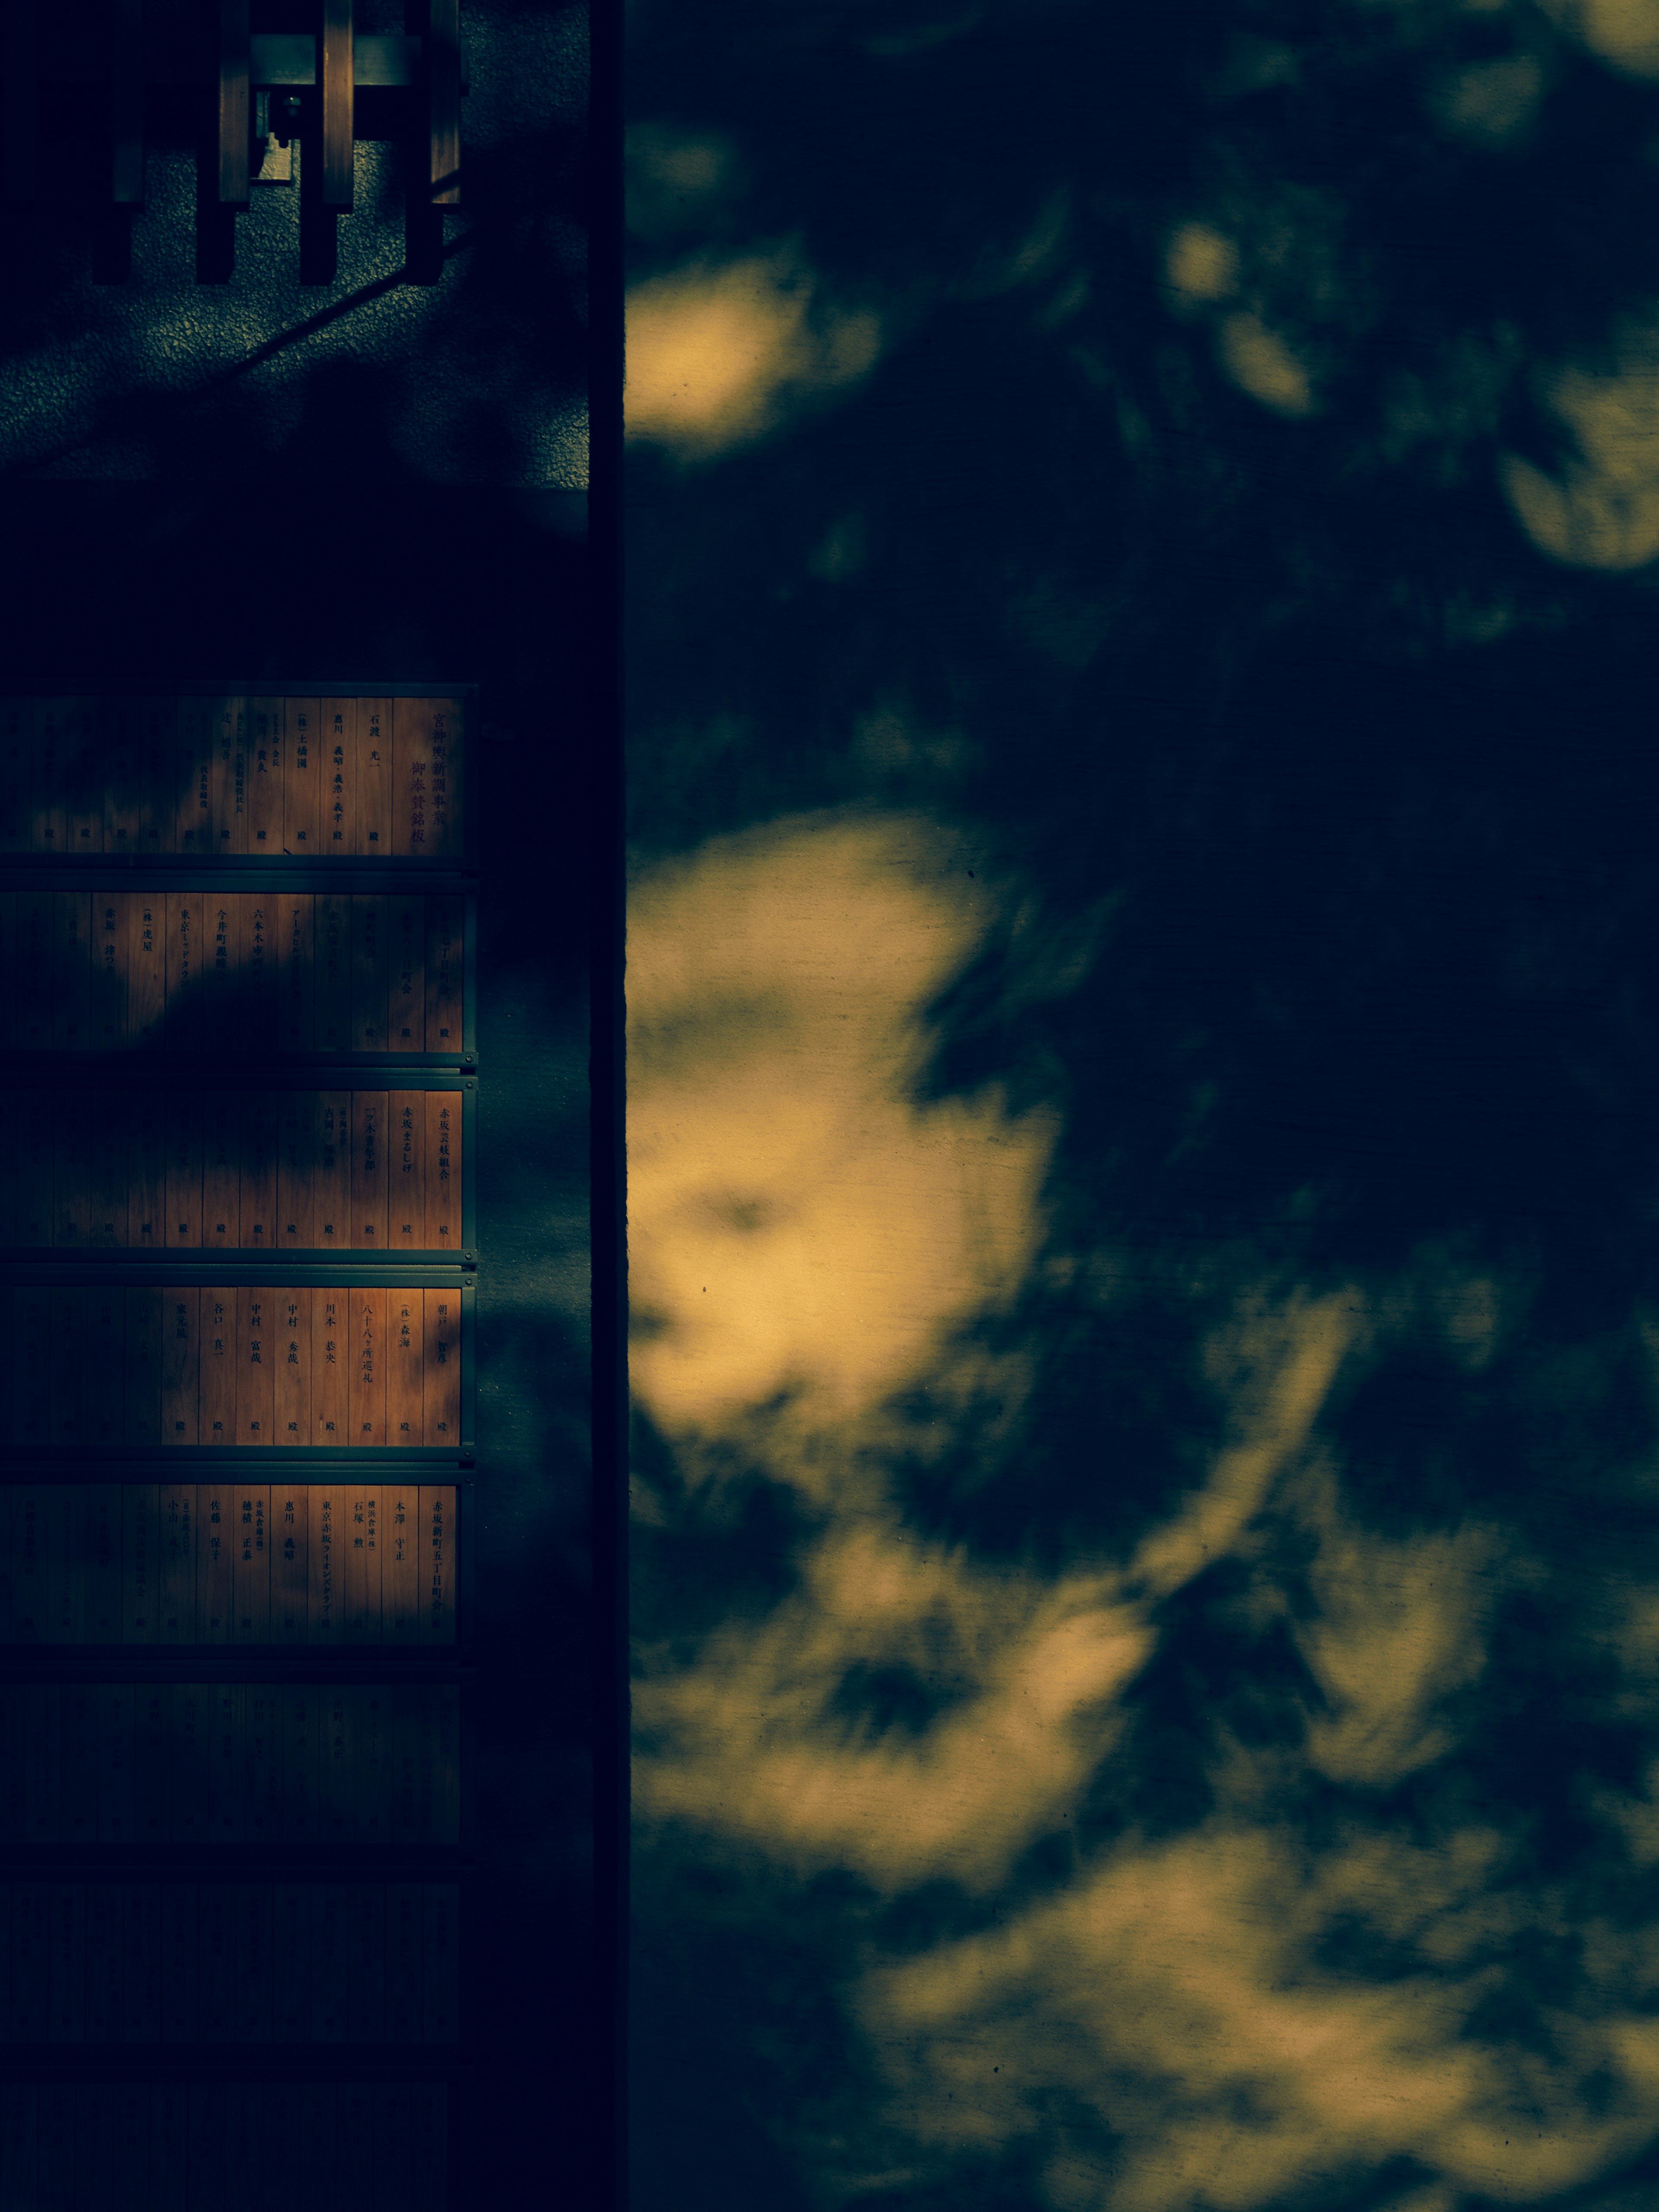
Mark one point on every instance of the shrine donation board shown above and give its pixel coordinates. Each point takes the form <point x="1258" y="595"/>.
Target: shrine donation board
<point x="235" y="1170"/>
<point x="228" y="974"/>
<point x="329" y="2144"/>
<point x="244" y="1244"/>
<point x="229" y="776"/>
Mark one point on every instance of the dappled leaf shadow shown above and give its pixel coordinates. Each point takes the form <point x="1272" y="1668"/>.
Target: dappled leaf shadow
<point x="1165" y="559"/>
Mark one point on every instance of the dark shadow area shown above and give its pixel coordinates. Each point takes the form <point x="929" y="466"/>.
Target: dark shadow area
<point x="134" y="584"/>
<point x="320" y="240"/>
<point x="215" y="223"/>
<point x="112" y="247"/>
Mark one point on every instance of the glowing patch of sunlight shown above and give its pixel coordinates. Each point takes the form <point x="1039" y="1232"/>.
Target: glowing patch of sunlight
<point x="715" y="355"/>
<point x="1201" y="265"/>
<point x="1178" y="1994"/>
<point x="1398" y="1630"/>
<point x="1602" y="511"/>
<point x="1489" y="103"/>
<point x="856" y="920"/>
<point x="758" y="1748"/>
<point x="1623" y="33"/>
<point x="1193" y="2002"/>
<point x="1583" y="519"/>
<point x="1298" y="1351"/>
<point x="796" y="1240"/>
<point x="751" y="1739"/>
<point x="797" y="1223"/>
<point x="1260" y="362"/>
<point x="1616" y="417"/>
<point x="1156" y="1991"/>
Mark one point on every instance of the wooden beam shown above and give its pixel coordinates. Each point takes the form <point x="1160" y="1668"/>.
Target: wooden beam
<point x="338" y="97"/>
<point x="235" y="122"/>
<point x="443" y="91"/>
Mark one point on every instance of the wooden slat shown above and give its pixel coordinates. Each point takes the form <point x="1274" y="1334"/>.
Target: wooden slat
<point x="234" y="121"/>
<point x="338" y="95"/>
<point x="443" y="89"/>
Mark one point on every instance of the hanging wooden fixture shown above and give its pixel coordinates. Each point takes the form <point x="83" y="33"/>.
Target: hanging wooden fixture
<point x="313" y="75"/>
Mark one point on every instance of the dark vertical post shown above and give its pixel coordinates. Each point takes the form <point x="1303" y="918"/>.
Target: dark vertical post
<point x="126" y="60"/>
<point x="442" y="57"/>
<point x="17" y="157"/>
<point x="338" y="92"/>
<point x="233" y="117"/>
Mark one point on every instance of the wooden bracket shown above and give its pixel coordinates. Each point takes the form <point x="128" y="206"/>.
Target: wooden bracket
<point x="425" y="62"/>
<point x="338" y="100"/>
<point x="236" y="116"/>
<point x="441" y="85"/>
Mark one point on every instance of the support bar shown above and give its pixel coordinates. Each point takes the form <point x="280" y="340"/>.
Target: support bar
<point x="442" y="54"/>
<point x="338" y="93"/>
<point x="289" y="58"/>
<point x="234" y="118"/>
